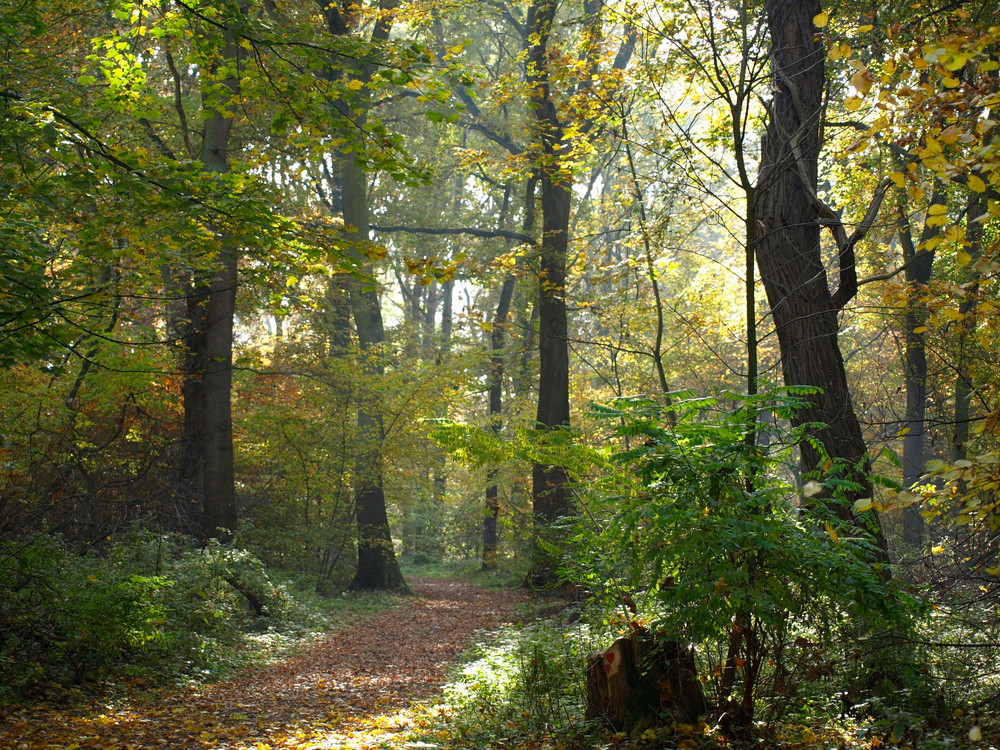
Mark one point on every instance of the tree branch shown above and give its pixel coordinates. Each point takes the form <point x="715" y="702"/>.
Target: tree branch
<point x="485" y="233"/>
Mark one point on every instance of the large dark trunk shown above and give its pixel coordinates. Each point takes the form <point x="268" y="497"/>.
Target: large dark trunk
<point x="789" y="254"/>
<point x="551" y="494"/>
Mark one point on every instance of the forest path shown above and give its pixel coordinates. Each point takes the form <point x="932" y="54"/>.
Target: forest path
<point x="348" y="691"/>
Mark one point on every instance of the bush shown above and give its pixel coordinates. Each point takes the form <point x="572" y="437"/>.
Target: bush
<point x="66" y="618"/>
<point x="154" y="605"/>
<point x="699" y="535"/>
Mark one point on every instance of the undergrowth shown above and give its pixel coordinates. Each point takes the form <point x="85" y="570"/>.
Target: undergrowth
<point x="522" y="684"/>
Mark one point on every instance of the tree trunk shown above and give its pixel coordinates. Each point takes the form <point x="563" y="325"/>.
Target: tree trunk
<point x="208" y="473"/>
<point x="918" y="274"/>
<point x="497" y="336"/>
<point x="975" y="207"/>
<point x="550" y="493"/>
<point x="789" y="254"/>
<point x="377" y="565"/>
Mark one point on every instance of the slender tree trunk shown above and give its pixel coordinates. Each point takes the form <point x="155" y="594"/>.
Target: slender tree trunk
<point x="377" y="567"/>
<point x="788" y="250"/>
<point x="975" y="207"/>
<point x="918" y="274"/>
<point x="497" y="336"/>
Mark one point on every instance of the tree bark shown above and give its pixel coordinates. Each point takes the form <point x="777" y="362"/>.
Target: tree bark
<point x="550" y="493"/>
<point x="640" y="678"/>
<point x="918" y="274"/>
<point x="208" y="471"/>
<point x="497" y="336"/>
<point x="789" y="253"/>
<point x="377" y="567"/>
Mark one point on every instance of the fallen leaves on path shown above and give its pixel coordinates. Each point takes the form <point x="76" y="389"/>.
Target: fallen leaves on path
<point x="349" y="691"/>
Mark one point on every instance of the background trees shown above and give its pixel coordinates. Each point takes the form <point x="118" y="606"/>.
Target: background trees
<point x="255" y="252"/>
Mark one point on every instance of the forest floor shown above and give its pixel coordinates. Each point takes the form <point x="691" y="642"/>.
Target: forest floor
<point x="350" y="690"/>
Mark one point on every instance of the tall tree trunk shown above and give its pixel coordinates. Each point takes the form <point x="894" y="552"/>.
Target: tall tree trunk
<point x="789" y="255"/>
<point x="377" y="567"/>
<point x="976" y="206"/>
<point x="208" y="472"/>
<point x="498" y="335"/>
<point x="550" y="493"/>
<point x="918" y="273"/>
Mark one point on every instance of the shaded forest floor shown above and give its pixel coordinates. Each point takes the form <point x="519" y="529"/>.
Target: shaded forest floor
<point x="348" y="691"/>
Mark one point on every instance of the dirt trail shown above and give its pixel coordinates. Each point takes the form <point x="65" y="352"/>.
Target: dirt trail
<point x="340" y="693"/>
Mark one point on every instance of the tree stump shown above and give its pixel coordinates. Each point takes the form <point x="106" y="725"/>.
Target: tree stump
<point x="641" y="677"/>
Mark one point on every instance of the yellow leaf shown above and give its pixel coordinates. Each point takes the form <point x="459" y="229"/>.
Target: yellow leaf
<point x="950" y="82"/>
<point x="831" y="531"/>
<point x="897" y="178"/>
<point x="354" y="84"/>
<point x="976" y="184"/>
<point x="952" y="314"/>
<point x="852" y="103"/>
<point x="937" y="209"/>
<point x="957" y="62"/>
<point x="821" y="20"/>
<point x="954" y="233"/>
<point x="950" y="134"/>
<point x="937" y="550"/>
<point x="862" y="504"/>
<point x="920" y="329"/>
<point x="862" y="81"/>
<point x="866" y="28"/>
<point x="964" y="258"/>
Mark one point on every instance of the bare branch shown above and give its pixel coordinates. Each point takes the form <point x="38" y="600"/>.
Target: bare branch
<point x="485" y="233"/>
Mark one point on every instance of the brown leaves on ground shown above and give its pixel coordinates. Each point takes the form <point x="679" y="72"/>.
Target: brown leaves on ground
<point x="343" y="692"/>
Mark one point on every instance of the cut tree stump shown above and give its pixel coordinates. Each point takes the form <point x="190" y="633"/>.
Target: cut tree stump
<point x="642" y="677"/>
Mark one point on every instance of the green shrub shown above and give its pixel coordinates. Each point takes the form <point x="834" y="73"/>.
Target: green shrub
<point x="154" y="606"/>
<point x="67" y="618"/>
<point x="697" y="530"/>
